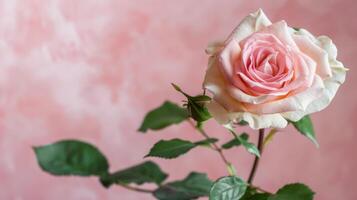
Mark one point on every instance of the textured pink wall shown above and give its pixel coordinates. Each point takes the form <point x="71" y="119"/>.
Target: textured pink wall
<point x="91" y="69"/>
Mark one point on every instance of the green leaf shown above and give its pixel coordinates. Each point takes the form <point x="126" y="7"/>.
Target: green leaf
<point x="193" y="186"/>
<point x="165" y="115"/>
<point x="174" y="148"/>
<point x="295" y="191"/>
<point x="206" y="142"/>
<point x="249" y="193"/>
<point x="250" y="147"/>
<point x="305" y="127"/>
<point x="147" y="172"/>
<point x="228" y="188"/>
<point x="170" y="148"/>
<point x="260" y="196"/>
<point x="71" y="157"/>
<point x="235" y="142"/>
<point x="252" y="194"/>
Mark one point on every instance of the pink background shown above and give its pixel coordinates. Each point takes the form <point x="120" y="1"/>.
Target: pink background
<point x="91" y="69"/>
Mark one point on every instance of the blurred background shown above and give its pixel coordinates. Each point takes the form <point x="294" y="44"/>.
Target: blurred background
<point x="91" y="70"/>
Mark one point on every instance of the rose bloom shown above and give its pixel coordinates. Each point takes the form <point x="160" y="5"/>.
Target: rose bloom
<point x="267" y="74"/>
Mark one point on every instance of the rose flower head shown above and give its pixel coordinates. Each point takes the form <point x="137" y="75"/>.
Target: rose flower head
<point x="267" y="74"/>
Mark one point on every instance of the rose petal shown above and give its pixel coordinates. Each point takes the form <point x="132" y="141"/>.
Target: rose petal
<point x="243" y="97"/>
<point x="315" y="52"/>
<point x="261" y="121"/>
<point x="255" y="121"/>
<point x="331" y="86"/>
<point x="250" y="24"/>
<point x="281" y="31"/>
<point x="327" y="44"/>
<point x="297" y="102"/>
<point x="228" y="58"/>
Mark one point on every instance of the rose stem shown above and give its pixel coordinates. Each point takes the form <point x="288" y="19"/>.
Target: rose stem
<point x="213" y="145"/>
<point x="256" y="160"/>
<point x="220" y="151"/>
<point x="136" y="189"/>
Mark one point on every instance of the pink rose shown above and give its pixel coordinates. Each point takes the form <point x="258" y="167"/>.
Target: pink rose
<point x="266" y="74"/>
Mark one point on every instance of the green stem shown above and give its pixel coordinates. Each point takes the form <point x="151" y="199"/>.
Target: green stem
<point x="136" y="189"/>
<point x="214" y="147"/>
<point x="257" y="159"/>
<point x="225" y="160"/>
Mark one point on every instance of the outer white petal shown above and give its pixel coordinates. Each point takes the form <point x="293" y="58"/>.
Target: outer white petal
<point x="331" y="84"/>
<point x="314" y="51"/>
<point x="262" y="121"/>
<point x="219" y="113"/>
<point x="250" y="24"/>
<point x="255" y="121"/>
<point x="281" y="30"/>
<point x="325" y="43"/>
<point x="303" y="32"/>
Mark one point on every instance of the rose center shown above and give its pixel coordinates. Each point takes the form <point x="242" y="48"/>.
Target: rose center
<point x="265" y="59"/>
